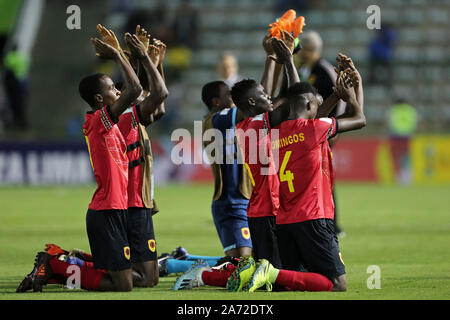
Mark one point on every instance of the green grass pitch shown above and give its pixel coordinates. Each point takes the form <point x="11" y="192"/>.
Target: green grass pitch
<point x="403" y="230"/>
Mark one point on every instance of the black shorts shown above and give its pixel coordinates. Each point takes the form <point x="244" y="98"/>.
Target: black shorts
<point x="264" y="239"/>
<point x="312" y="244"/>
<point x="107" y="233"/>
<point x="141" y="235"/>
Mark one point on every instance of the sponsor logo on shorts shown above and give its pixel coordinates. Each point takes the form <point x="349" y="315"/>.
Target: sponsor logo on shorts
<point x="245" y="233"/>
<point x="126" y="252"/>
<point x="152" y="245"/>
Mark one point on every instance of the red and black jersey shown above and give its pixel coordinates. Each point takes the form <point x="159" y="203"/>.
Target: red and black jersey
<point x="253" y="135"/>
<point x="306" y="169"/>
<point x="128" y="125"/>
<point x="107" y="150"/>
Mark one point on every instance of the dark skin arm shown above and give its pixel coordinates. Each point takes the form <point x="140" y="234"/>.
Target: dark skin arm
<point x="331" y="102"/>
<point x="161" y="110"/>
<point x="357" y="119"/>
<point x="281" y="98"/>
<point x="276" y="78"/>
<point x="156" y="51"/>
<point x="285" y="46"/>
<point x="285" y="57"/>
<point x="269" y="69"/>
<point x="156" y="84"/>
<point x="268" y="74"/>
<point x="281" y="70"/>
<point x="132" y="88"/>
<point x="328" y="106"/>
<point x="345" y="63"/>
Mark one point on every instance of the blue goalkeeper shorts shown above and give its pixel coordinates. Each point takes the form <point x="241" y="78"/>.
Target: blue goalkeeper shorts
<point x="231" y="225"/>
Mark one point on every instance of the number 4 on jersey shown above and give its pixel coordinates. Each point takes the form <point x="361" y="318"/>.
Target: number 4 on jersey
<point x="286" y="175"/>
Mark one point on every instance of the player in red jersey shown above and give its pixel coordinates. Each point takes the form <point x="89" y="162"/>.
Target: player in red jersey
<point x="254" y="139"/>
<point x="314" y="280"/>
<point x="132" y="123"/>
<point x="305" y="220"/>
<point x="253" y="134"/>
<point x="106" y="216"/>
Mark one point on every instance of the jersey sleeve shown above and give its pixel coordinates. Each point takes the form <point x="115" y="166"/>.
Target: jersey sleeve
<point x="324" y="128"/>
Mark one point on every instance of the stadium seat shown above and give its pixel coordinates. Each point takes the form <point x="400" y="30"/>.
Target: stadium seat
<point x="412" y="17"/>
<point x="405" y="74"/>
<point x="438" y="16"/>
<point x="422" y="34"/>
<point x="411" y="36"/>
<point x="435" y="54"/>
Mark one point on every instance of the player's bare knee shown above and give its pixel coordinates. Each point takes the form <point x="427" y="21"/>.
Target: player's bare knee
<point x="156" y="280"/>
<point x="340" y="284"/>
<point x="125" y="287"/>
<point x="150" y="282"/>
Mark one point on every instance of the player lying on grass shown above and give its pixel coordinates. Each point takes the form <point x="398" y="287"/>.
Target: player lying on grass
<point x="106" y="217"/>
<point x="147" y="59"/>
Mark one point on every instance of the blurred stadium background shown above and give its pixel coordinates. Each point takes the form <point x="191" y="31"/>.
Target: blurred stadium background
<point x="40" y="126"/>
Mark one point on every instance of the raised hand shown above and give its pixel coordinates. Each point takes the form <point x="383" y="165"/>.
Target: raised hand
<point x="283" y="53"/>
<point x="136" y="46"/>
<point x="143" y="36"/>
<point x="104" y="50"/>
<point x="268" y="47"/>
<point x="154" y="54"/>
<point x="108" y="37"/>
<point x="344" y="89"/>
<point x="162" y="49"/>
<point x="344" y="63"/>
<point x="288" y="40"/>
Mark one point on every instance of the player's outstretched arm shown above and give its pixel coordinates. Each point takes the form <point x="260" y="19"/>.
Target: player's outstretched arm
<point x="162" y="53"/>
<point x="283" y="51"/>
<point x="280" y="70"/>
<point x="132" y="88"/>
<point x="344" y="63"/>
<point x="267" y="80"/>
<point x="345" y="91"/>
<point x="354" y="79"/>
<point x="328" y="106"/>
<point x="161" y="48"/>
<point x="108" y="36"/>
<point x="285" y="57"/>
<point x="157" y="87"/>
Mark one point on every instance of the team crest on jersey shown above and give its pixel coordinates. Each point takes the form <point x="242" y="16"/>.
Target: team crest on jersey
<point x="152" y="245"/>
<point x="245" y="233"/>
<point x="126" y="252"/>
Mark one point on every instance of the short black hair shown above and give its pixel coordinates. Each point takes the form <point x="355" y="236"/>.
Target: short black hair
<point x="90" y="86"/>
<point x="210" y="91"/>
<point x="240" y="90"/>
<point x="300" y="88"/>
